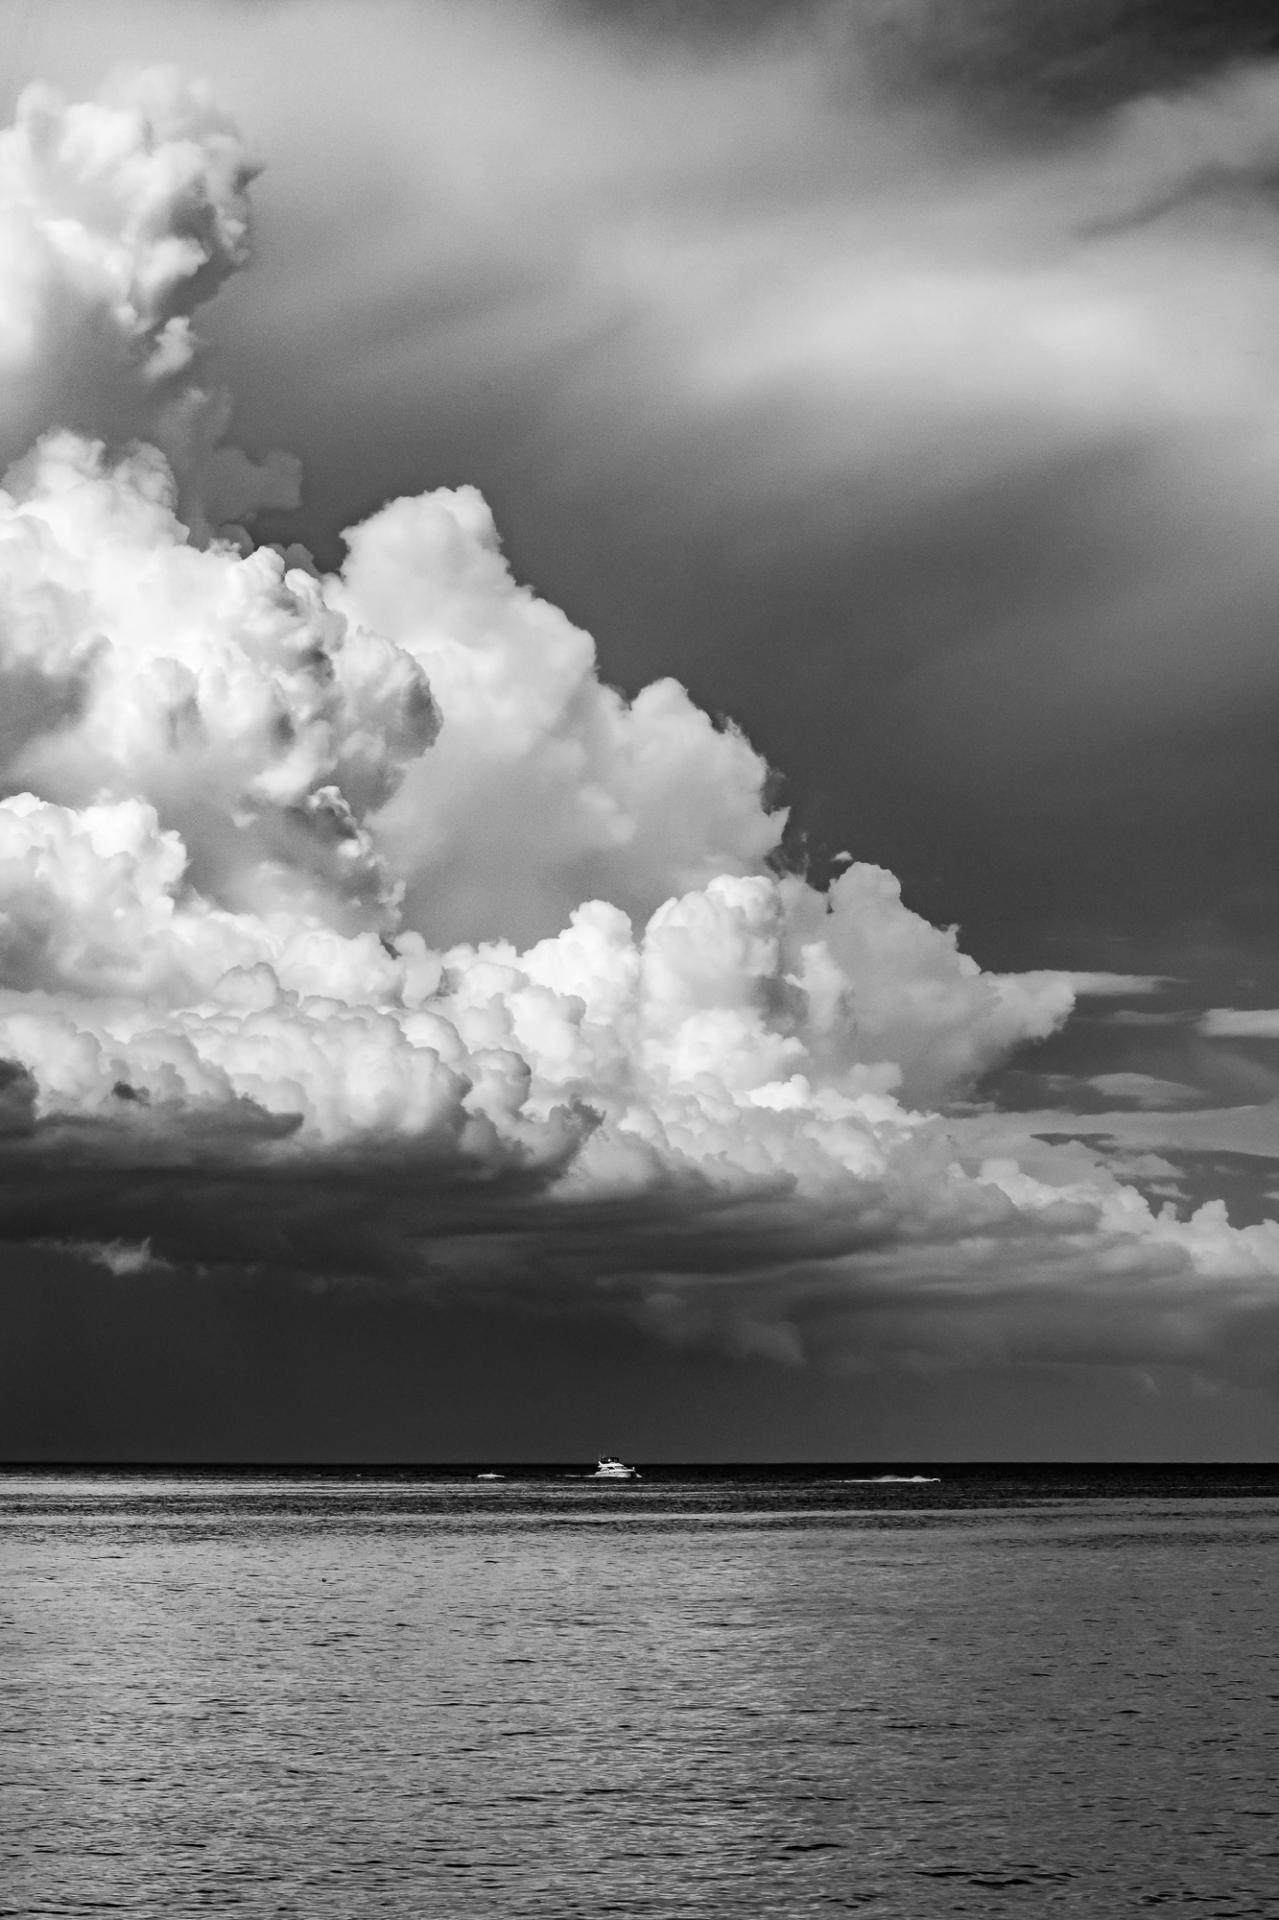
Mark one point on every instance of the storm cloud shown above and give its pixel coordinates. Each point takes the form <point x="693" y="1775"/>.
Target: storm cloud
<point x="353" y="923"/>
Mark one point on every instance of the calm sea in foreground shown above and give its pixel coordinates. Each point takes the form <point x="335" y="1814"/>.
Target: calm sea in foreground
<point x="719" y="1693"/>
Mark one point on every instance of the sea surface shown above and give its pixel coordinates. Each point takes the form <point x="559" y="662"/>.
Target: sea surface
<point x="765" y="1692"/>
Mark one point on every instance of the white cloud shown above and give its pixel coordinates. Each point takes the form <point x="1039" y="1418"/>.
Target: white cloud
<point x="1143" y="1089"/>
<point x="119" y="1257"/>
<point x="1117" y="986"/>
<point x="117" y="217"/>
<point x="529" y="985"/>
<point x="1233" y="1023"/>
<point x="545" y="786"/>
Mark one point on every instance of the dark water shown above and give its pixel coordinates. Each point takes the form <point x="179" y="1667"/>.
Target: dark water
<point x="784" y="1695"/>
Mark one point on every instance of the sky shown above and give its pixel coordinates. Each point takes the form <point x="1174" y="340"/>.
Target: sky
<point x="636" y="696"/>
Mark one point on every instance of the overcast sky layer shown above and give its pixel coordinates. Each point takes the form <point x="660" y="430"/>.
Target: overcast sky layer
<point x="901" y="381"/>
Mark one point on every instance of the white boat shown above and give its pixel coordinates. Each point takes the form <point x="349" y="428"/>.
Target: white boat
<point x="610" y="1469"/>
<point x="895" y="1480"/>
<point x="490" y="1476"/>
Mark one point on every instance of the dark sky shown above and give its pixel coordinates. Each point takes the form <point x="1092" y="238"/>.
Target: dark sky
<point x="264" y="1368"/>
<point x="903" y="379"/>
<point x="1022" y="628"/>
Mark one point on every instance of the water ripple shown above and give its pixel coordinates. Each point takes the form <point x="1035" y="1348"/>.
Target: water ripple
<point x="335" y="1698"/>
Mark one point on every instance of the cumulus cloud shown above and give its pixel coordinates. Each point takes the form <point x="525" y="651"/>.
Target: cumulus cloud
<point x="118" y="216"/>
<point x="220" y="686"/>
<point x="546" y="785"/>
<point x="736" y="303"/>
<point x="350" y="921"/>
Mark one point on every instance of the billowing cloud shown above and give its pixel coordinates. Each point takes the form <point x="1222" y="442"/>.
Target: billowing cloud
<point x="764" y="350"/>
<point x="118" y="216"/>
<point x="351" y="922"/>
<point x="546" y="785"/>
<point x="220" y="686"/>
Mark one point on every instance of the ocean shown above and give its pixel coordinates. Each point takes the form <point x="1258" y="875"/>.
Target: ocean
<point x="789" y="1691"/>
